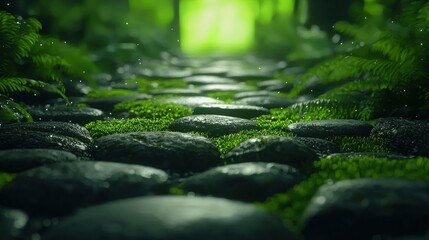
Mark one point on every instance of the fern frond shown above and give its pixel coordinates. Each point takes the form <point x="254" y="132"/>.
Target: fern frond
<point x="14" y="108"/>
<point x="15" y="84"/>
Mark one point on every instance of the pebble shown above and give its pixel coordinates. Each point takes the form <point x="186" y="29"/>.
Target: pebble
<point x="267" y="101"/>
<point x="191" y="102"/>
<point x="232" y="110"/>
<point x="208" y="79"/>
<point x="329" y="128"/>
<point x="77" y="115"/>
<point x="107" y="103"/>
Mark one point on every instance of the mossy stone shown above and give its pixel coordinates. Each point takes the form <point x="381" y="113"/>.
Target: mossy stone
<point x="60" y="188"/>
<point x="179" y="92"/>
<point x="247" y="94"/>
<point x="274" y="149"/>
<point x="374" y="206"/>
<point x="321" y="146"/>
<point x="18" y="160"/>
<point x="328" y="128"/>
<point x="171" y="151"/>
<point x="275" y="85"/>
<point x="253" y="181"/>
<point x="208" y="79"/>
<point x="210" y="88"/>
<point x="77" y="115"/>
<point x="171" y="218"/>
<point x="212" y="125"/>
<point x="267" y="101"/>
<point x="107" y="103"/>
<point x="190" y="101"/>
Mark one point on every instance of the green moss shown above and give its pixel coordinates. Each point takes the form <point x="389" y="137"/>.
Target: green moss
<point x="228" y="142"/>
<point x="153" y="109"/>
<point x="150" y="85"/>
<point x="110" y="93"/>
<point x="102" y="128"/>
<point x="225" y="96"/>
<point x="5" y="178"/>
<point x="359" y="144"/>
<point x="291" y="205"/>
<point x="279" y="119"/>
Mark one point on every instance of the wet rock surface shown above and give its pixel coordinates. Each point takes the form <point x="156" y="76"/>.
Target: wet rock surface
<point x="403" y="136"/>
<point x="253" y="181"/>
<point x="66" y="114"/>
<point x="273" y="149"/>
<point x="52" y="135"/>
<point x="232" y="110"/>
<point x="18" y="160"/>
<point x="190" y="101"/>
<point x="213" y="125"/>
<point x="180" y="92"/>
<point x="107" y="103"/>
<point x="328" y="128"/>
<point x="389" y="207"/>
<point x="12" y="222"/>
<point x="208" y="79"/>
<point x="171" y="151"/>
<point x="58" y="189"/>
<point x="166" y="218"/>
<point x="267" y="101"/>
<point x="321" y="146"/>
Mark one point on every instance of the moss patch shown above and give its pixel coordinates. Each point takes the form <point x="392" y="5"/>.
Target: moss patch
<point x="359" y="144"/>
<point x="6" y="178"/>
<point x="102" y="128"/>
<point x="291" y="205"/>
<point x="110" y="93"/>
<point x="228" y="142"/>
<point x="153" y="109"/>
<point x="225" y="96"/>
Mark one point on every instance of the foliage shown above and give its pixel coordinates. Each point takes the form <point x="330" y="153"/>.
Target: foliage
<point x="228" y="142"/>
<point x="20" y="62"/>
<point x="392" y="63"/>
<point x="151" y="109"/>
<point x="291" y="205"/>
<point x="102" y="128"/>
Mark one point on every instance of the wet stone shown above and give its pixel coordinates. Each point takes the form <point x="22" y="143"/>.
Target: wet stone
<point x="390" y="207"/>
<point x="18" y="160"/>
<point x="403" y="136"/>
<point x="328" y="128"/>
<point x="253" y="181"/>
<point x="191" y="102"/>
<point x="60" y="188"/>
<point x="232" y="110"/>
<point x="213" y="125"/>
<point x="247" y="74"/>
<point x="275" y="85"/>
<point x="224" y="88"/>
<point x="82" y="115"/>
<point x="247" y="94"/>
<point x="273" y="149"/>
<point x="12" y="222"/>
<point x="171" y="218"/>
<point x="267" y="102"/>
<point x="179" y="91"/>
<point x="107" y="103"/>
<point x="52" y="135"/>
<point x="171" y="151"/>
<point x="208" y="79"/>
<point x="321" y="146"/>
<point x="389" y="156"/>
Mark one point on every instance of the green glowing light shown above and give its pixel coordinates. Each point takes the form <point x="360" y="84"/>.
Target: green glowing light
<point x="220" y="26"/>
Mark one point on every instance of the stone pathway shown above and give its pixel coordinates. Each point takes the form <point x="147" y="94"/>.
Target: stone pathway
<point x="101" y="170"/>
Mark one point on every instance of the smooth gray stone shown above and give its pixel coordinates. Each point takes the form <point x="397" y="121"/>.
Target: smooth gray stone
<point x="274" y="149"/>
<point x="66" y="114"/>
<point x="321" y="146"/>
<point x="171" y="151"/>
<point x="253" y="181"/>
<point x="275" y="85"/>
<point x="232" y="110"/>
<point x="209" y="88"/>
<point x="18" y="160"/>
<point x="208" y="79"/>
<point x="52" y="135"/>
<point x="107" y="103"/>
<point x="179" y="91"/>
<point x="12" y="222"/>
<point x="191" y="102"/>
<point x="329" y="128"/>
<point x="213" y="125"/>
<point x="365" y="208"/>
<point x="60" y="188"/>
<point x="249" y="74"/>
<point x="267" y="101"/>
<point x="403" y="136"/>
<point x="247" y="94"/>
<point x="171" y="218"/>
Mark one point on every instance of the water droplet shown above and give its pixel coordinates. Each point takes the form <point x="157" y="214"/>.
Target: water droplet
<point x="7" y="4"/>
<point x="178" y="40"/>
<point x="421" y="44"/>
<point x="41" y="44"/>
<point x="126" y="23"/>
